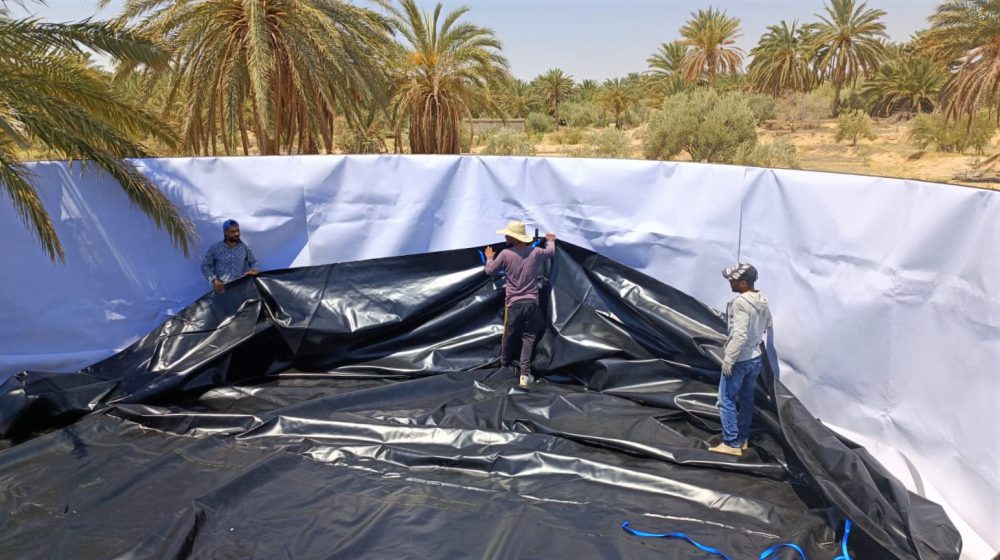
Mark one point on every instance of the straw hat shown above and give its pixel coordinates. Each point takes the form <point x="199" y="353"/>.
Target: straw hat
<point x="516" y="230"/>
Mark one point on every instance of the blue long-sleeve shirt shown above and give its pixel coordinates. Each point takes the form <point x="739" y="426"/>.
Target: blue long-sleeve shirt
<point x="227" y="263"/>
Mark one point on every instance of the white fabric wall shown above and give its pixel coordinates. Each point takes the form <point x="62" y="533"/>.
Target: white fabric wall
<point x="884" y="324"/>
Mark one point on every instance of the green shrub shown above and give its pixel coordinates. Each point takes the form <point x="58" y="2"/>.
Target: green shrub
<point x="508" y="142"/>
<point x="804" y="110"/>
<point x="853" y="126"/>
<point x="579" y="114"/>
<point x="855" y="99"/>
<point x="607" y="143"/>
<point x="483" y="136"/>
<point x="780" y="153"/>
<point x="703" y="124"/>
<point x="465" y="142"/>
<point x="640" y="114"/>
<point x="360" y="142"/>
<point x="955" y="135"/>
<point x="539" y="123"/>
<point x="763" y="107"/>
<point x="571" y="136"/>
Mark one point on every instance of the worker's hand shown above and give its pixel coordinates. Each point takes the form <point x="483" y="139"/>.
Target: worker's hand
<point x="550" y="236"/>
<point x="252" y="272"/>
<point x="218" y="286"/>
<point x="727" y="369"/>
<point x="488" y="251"/>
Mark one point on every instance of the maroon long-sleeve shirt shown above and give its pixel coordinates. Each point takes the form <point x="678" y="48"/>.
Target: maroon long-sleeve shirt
<point x="522" y="267"/>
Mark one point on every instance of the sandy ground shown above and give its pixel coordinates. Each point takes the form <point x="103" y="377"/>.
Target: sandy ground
<point x="888" y="155"/>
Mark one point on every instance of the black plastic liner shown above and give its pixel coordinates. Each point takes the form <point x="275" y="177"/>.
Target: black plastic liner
<point x="356" y="410"/>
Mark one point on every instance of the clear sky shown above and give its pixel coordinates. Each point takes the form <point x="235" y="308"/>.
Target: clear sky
<point x="590" y="38"/>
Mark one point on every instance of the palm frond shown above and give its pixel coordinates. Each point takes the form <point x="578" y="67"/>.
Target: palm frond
<point x="782" y="60"/>
<point x="277" y="70"/>
<point x="102" y="37"/>
<point x="849" y="43"/>
<point x="442" y="68"/>
<point x="14" y="180"/>
<point x="710" y="36"/>
<point x="50" y="99"/>
<point x="965" y="35"/>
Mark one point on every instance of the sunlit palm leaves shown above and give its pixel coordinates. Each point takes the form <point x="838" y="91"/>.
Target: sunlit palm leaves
<point x="51" y="100"/>
<point x="585" y="90"/>
<point x="665" y="69"/>
<point x="518" y="98"/>
<point x="617" y="96"/>
<point x="906" y="85"/>
<point x="666" y="61"/>
<point x="554" y="86"/>
<point x="781" y="60"/>
<point x="966" y="34"/>
<point x="442" y="69"/>
<point x="849" y="42"/>
<point x="279" y="69"/>
<point x="710" y="36"/>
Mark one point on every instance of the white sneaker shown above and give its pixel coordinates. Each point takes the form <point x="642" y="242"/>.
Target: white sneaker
<point x="524" y="382"/>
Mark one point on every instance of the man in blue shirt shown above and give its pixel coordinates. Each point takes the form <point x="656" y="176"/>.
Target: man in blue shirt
<point x="228" y="259"/>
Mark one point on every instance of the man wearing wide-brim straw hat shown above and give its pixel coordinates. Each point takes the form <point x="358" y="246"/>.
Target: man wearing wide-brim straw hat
<point x="522" y="265"/>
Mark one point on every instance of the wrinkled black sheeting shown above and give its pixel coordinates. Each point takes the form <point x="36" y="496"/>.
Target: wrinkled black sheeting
<point x="432" y="449"/>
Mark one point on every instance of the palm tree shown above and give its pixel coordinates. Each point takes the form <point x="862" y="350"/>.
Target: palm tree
<point x="710" y="36"/>
<point x="443" y="68"/>
<point x="555" y="86"/>
<point x="617" y="96"/>
<point x="486" y="100"/>
<point x="518" y="98"/>
<point x="666" y="62"/>
<point x="585" y="90"/>
<point x="892" y="51"/>
<point x="848" y="42"/>
<point x="781" y="60"/>
<point x="907" y="85"/>
<point x="965" y="34"/>
<point x="665" y="69"/>
<point x="51" y="100"/>
<point x="274" y="68"/>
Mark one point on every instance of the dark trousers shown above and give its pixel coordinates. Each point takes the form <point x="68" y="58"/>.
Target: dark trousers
<point x="521" y="322"/>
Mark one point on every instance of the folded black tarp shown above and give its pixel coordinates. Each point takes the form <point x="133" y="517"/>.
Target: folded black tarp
<point x="356" y="410"/>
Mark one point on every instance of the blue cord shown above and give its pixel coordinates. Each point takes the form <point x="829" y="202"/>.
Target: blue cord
<point x="707" y="549"/>
<point x="771" y="550"/>
<point x="843" y="542"/>
<point x="763" y="555"/>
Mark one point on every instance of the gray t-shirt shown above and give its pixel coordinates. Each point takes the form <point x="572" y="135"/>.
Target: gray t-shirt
<point x="522" y="269"/>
